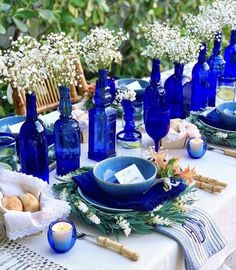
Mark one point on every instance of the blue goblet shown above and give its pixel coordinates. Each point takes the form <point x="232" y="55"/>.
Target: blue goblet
<point x="157" y="124"/>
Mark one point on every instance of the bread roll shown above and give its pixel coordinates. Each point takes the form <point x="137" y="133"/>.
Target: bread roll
<point x="30" y="202"/>
<point x="12" y="203"/>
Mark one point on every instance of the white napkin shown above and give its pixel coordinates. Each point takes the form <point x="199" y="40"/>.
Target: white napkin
<point x="20" y="224"/>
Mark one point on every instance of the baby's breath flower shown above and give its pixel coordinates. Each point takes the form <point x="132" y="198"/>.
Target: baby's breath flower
<point x="95" y="219"/>
<point x="101" y="47"/>
<point x="124" y="93"/>
<point x="124" y="225"/>
<point x="182" y="50"/>
<point x="221" y="135"/>
<point x="158" y="220"/>
<point x="157" y="36"/>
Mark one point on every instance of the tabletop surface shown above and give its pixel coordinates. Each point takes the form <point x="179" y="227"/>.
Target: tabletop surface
<point x="157" y="251"/>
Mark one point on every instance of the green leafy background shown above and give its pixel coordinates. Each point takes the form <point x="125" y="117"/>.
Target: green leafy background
<point x="77" y="17"/>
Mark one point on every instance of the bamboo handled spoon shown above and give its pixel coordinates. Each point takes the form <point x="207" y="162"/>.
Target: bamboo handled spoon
<point x="110" y="244"/>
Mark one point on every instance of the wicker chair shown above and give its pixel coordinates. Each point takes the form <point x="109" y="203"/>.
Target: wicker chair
<point x="48" y="94"/>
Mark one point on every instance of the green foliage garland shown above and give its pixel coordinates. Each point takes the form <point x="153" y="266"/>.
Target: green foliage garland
<point x="115" y="223"/>
<point x="214" y="135"/>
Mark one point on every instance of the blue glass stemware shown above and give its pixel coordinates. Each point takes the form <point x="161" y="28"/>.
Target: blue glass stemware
<point x="156" y="110"/>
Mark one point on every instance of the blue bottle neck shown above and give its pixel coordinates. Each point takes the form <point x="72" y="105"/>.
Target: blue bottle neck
<point x="217" y="43"/>
<point x="65" y="106"/>
<point x="179" y="70"/>
<point x="156" y="72"/>
<point x="31" y="108"/>
<point x="102" y="96"/>
<point x="202" y="53"/>
<point x="233" y="37"/>
<point x="128" y="115"/>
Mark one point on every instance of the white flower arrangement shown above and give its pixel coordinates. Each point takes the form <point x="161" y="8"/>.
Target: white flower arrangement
<point x="101" y="47"/>
<point x="3" y="68"/>
<point x="124" y="225"/>
<point x="157" y="36"/>
<point x="211" y="19"/>
<point x="60" y="54"/>
<point x="182" y="50"/>
<point x="220" y="11"/>
<point x="24" y="64"/>
<point x="124" y="93"/>
<point x="201" y="26"/>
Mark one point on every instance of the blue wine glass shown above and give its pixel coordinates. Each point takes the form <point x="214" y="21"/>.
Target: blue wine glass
<point x="157" y="124"/>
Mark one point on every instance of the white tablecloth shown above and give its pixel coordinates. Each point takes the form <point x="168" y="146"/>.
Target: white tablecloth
<point x="157" y="251"/>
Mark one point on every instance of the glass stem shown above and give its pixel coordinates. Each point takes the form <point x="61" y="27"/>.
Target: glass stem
<point x="156" y="146"/>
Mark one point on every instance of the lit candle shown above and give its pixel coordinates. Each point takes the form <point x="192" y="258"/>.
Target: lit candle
<point x="196" y="147"/>
<point x="61" y="235"/>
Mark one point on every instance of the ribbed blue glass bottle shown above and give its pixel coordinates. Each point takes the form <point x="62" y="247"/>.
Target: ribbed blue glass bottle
<point x="174" y="91"/>
<point x="200" y="84"/>
<point x="102" y="121"/>
<point x="230" y="56"/>
<point x="217" y="65"/>
<point x="33" y="142"/>
<point x="129" y="137"/>
<point x="156" y="110"/>
<point x="66" y="136"/>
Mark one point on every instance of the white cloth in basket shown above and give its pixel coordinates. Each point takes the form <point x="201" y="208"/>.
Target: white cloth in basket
<point x="20" y="224"/>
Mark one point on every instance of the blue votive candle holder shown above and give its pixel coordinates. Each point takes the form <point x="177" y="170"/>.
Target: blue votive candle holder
<point x="61" y="235"/>
<point x="196" y="147"/>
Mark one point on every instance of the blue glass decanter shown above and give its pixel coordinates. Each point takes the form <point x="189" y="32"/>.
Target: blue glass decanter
<point x="217" y="65"/>
<point x="102" y="121"/>
<point x="156" y="110"/>
<point x="200" y="84"/>
<point x="230" y="57"/>
<point x="174" y="92"/>
<point x="129" y="137"/>
<point x="66" y="136"/>
<point x="33" y="142"/>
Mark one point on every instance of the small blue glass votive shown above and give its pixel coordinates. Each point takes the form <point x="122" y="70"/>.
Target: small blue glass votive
<point x="61" y="235"/>
<point x="196" y="147"/>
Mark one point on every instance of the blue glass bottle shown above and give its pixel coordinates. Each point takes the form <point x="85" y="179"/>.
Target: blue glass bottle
<point x="230" y="57"/>
<point x="174" y="92"/>
<point x="217" y="65"/>
<point x="129" y="137"/>
<point x="156" y="110"/>
<point x="66" y="136"/>
<point x="200" y="84"/>
<point x="33" y="142"/>
<point x="102" y="121"/>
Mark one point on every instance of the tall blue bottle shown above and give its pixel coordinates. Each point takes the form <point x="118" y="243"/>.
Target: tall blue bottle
<point x="174" y="92"/>
<point x="200" y="84"/>
<point x="33" y="142"/>
<point x="156" y="110"/>
<point x="230" y="57"/>
<point x="217" y="65"/>
<point x="66" y="136"/>
<point x="102" y="121"/>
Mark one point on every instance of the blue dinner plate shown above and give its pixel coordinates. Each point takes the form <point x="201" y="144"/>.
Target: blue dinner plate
<point x="100" y="205"/>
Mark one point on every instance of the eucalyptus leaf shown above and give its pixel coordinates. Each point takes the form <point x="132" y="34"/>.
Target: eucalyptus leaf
<point x="47" y="14"/>
<point x="5" y="7"/>
<point x="20" y="25"/>
<point x="24" y="13"/>
<point x="2" y="30"/>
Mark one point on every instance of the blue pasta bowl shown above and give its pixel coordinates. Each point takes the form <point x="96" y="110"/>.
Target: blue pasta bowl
<point x="227" y="113"/>
<point x="104" y="175"/>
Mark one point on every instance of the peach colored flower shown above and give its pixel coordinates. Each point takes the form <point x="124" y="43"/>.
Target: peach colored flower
<point x="160" y="159"/>
<point x="187" y="174"/>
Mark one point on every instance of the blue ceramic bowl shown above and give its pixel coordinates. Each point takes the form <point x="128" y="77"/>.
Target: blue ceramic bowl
<point x="115" y="164"/>
<point x="11" y="120"/>
<point x="227" y="113"/>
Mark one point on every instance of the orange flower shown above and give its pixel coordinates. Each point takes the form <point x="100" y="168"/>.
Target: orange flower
<point x="187" y="174"/>
<point x="160" y="159"/>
